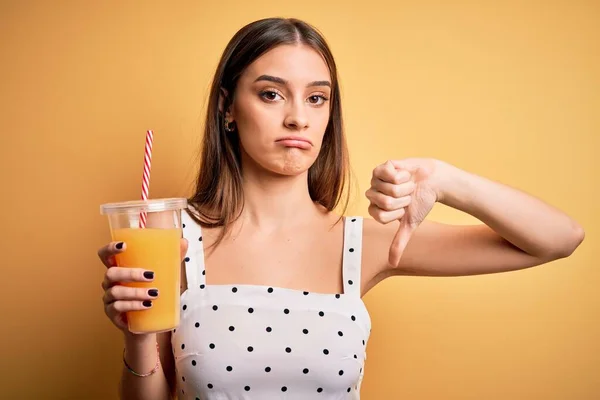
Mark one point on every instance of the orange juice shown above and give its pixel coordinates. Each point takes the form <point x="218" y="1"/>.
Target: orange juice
<point x="155" y="250"/>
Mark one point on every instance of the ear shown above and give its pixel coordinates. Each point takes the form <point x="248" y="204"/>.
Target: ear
<point x="224" y="95"/>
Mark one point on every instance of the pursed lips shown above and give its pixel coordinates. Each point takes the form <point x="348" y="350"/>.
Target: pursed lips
<point x="295" y="141"/>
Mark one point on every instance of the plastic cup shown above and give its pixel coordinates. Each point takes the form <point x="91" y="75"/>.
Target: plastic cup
<point x="157" y="248"/>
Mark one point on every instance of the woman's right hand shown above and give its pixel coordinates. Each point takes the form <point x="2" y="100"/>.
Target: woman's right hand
<point x="119" y="299"/>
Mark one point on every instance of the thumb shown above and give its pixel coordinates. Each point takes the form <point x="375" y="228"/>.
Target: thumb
<point x="406" y="164"/>
<point x="399" y="243"/>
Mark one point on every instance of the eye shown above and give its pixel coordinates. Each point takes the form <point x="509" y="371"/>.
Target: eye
<point x="270" y="95"/>
<point x="317" y="99"/>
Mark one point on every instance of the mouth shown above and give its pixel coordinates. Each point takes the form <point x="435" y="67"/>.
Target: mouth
<point x="295" y="141"/>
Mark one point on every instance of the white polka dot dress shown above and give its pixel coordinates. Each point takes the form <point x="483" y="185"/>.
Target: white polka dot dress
<point x="261" y="342"/>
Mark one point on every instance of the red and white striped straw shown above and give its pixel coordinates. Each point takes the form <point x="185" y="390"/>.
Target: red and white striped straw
<point x="146" y="175"/>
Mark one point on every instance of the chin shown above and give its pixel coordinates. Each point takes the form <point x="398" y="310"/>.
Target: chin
<point x="293" y="170"/>
<point x="289" y="163"/>
<point x="292" y="167"/>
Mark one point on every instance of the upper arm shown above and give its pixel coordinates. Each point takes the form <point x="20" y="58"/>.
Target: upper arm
<point x="167" y="361"/>
<point x="437" y="249"/>
<point x="183" y="279"/>
<point x="163" y="339"/>
<point x="165" y="349"/>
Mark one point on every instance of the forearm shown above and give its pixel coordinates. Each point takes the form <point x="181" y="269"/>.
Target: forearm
<point x="525" y="221"/>
<point x="141" y="356"/>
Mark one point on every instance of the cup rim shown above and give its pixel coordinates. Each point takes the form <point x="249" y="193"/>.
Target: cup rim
<point x="150" y="205"/>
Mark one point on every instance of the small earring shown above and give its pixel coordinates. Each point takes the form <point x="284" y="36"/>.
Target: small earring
<point x="229" y="126"/>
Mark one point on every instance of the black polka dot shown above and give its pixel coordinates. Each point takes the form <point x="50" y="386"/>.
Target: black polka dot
<point x="353" y="219"/>
<point x="250" y="348"/>
<point x="305" y="370"/>
<point x="200" y="239"/>
<point x="234" y="289"/>
<point x="350" y="282"/>
<point x="321" y="313"/>
<point x="183" y="225"/>
<point x="270" y="290"/>
<point x="231" y="328"/>
<point x="325" y="351"/>
<point x="268" y="369"/>
<point x="210" y="386"/>
<point x="247" y="388"/>
<point x="363" y="342"/>
<point x="174" y="330"/>
<point x="351" y="250"/>
<point x="251" y="310"/>
<point x="288" y="350"/>
<point x="340" y="333"/>
<point x="286" y="311"/>
<point x="355" y="356"/>
<point x="202" y="286"/>
<point x="349" y="390"/>
<point x="337" y="296"/>
<point x="305" y="331"/>
<point x="187" y="259"/>
<point x="194" y="363"/>
<point x="341" y="372"/>
<point x="229" y="368"/>
<point x="305" y="293"/>
<point x="319" y="390"/>
<point x="184" y="307"/>
<point x="183" y="378"/>
<point x="284" y="389"/>
<point x="212" y="345"/>
<point x="361" y="370"/>
<point x="197" y="324"/>
<point x="182" y="346"/>
<point x="203" y="272"/>
<point x="215" y="308"/>
<point x="269" y="329"/>
<point x="353" y="318"/>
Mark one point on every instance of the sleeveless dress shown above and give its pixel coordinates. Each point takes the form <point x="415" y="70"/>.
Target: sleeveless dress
<point x="267" y="342"/>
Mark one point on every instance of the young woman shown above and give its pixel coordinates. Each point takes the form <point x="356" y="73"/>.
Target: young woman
<point x="272" y="276"/>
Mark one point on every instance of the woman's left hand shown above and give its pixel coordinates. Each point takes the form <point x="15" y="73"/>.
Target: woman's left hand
<point x="404" y="190"/>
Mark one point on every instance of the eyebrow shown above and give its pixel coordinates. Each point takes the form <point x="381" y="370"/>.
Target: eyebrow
<point x="275" y="79"/>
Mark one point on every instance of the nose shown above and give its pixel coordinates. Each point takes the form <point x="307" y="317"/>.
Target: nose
<point x="296" y="117"/>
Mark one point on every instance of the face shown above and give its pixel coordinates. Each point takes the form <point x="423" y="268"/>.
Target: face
<point x="281" y="109"/>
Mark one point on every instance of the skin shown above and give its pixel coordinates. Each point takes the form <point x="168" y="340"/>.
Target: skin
<point x="283" y="239"/>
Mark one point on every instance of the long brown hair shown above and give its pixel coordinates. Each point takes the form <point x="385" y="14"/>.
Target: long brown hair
<point x="218" y="199"/>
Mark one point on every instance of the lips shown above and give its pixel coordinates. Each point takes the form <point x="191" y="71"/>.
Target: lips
<point x="295" y="141"/>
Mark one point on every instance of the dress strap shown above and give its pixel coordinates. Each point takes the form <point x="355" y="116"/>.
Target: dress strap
<point x="194" y="259"/>
<point x="351" y="260"/>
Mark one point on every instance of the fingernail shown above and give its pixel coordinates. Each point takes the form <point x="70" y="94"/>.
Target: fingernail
<point x="149" y="275"/>
<point x="119" y="245"/>
<point x="147" y="303"/>
<point x="153" y="292"/>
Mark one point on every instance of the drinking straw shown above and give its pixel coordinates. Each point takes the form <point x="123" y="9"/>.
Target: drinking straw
<point x="146" y="175"/>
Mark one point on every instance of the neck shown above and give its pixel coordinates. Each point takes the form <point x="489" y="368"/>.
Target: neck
<point x="273" y="201"/>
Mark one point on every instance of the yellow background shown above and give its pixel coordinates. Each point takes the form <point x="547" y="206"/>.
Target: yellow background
<point x="509" y="90"/>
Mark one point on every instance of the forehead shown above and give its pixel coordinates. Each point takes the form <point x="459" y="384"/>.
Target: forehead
<point x="294" y="63"/>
